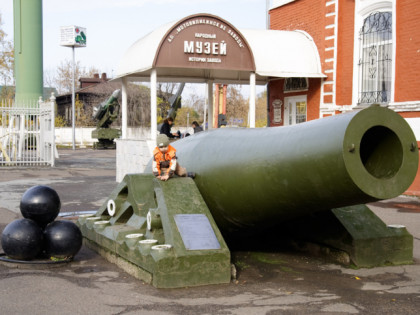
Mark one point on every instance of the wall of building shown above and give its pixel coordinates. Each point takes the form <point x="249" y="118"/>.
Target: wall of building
<point x="313" y="96"/>
<point x="345" y="47"/>
<point x="407" y="65"/>
<point x="318" y="19"/>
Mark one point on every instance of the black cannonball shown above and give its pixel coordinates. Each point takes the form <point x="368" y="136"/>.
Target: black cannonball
<point x="62" y="239"/>
<point x="41" y="204"/>
<point x="22" y="239"/>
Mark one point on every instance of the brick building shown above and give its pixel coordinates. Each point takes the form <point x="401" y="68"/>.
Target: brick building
<point x="369" y="50"/>
<point x="91" y="92"/>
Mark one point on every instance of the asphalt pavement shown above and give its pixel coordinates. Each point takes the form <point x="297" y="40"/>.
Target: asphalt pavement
<point x="266" y="282"/>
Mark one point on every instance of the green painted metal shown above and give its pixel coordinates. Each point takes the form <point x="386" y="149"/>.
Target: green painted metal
<point x="124" y="231"/>
<point x="369" y="241"/>
<point x="253" y="179"/>
<point x="356" y="230"/>
<point x="28" y="51"/>
<point x="106" y="113"/>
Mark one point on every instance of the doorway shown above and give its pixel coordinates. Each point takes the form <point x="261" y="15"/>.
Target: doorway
<point x="294" y="110"/>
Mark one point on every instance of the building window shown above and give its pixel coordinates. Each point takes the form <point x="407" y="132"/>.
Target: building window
<point x="375" y="59"/>
<point x="295" y="84"/>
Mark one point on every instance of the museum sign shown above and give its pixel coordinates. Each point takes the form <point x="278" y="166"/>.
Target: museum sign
<point x="205" y="42"/>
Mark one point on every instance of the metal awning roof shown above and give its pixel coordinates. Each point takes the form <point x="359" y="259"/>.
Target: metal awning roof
<point x="277" y="54"/>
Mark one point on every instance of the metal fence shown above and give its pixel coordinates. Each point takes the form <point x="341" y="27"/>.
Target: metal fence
<point x="27" y="136"/>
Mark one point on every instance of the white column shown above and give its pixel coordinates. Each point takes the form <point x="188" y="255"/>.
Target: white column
<point x="210" y="102"/>
<point x="124" y="109"/>
<point x="53" y="147"/>
<point x="206" y="104"/>
<point x="153" y="104"/>
<point x="252" y="93"/>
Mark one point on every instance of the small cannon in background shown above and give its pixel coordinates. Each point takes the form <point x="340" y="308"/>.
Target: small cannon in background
<point x="309" y="180"/>
<point x="105" y="113"/>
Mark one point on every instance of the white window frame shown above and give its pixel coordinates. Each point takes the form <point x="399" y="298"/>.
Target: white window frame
<point x="290" y="108"/>
<point x="362" y="10"/>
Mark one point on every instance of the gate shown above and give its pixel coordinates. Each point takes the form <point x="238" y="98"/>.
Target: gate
<point x="27" y="136"/>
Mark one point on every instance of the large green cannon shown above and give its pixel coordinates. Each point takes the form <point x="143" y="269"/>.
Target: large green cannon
<point x="310" y="181"/>
<point x="252" y="179"/>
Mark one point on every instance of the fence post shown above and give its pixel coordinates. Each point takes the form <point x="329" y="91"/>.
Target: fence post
<point x="53" y="148"/>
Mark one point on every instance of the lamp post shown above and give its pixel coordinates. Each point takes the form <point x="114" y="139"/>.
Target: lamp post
<point x="74" y="37"/>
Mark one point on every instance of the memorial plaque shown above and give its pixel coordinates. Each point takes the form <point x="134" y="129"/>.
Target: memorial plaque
<point x="196" y="232"/>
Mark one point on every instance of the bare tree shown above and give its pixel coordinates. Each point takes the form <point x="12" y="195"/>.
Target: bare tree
<point x="138" y="103"/>
<point x="166" y="89"/>
<point x="196" y="102"/>
<point x="63" y="79"/>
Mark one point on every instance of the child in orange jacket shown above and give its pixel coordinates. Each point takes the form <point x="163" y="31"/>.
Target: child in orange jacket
<point x="165" y="163"/>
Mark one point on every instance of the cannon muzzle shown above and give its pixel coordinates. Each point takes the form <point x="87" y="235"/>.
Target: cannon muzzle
<point x="258" y="178"/>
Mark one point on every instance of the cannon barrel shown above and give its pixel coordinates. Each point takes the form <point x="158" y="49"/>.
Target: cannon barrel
<point x="252" y="179"/>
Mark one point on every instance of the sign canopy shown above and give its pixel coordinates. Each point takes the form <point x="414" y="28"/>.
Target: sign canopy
<point x="205" y="42"/>
<point x="204" y="47"/>
<point x="73" y="36"/>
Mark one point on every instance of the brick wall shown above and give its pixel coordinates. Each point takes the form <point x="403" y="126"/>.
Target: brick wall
<point x="313" y="18"/>
<point x="313" y="95"/>
<point x="408" y="51"/>
<point x="345" y="47"/>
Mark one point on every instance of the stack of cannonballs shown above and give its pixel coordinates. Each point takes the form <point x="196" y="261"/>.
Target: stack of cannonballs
<point x="37" y="235"/>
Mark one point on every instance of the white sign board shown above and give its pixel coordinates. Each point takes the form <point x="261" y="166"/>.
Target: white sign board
<point x="73" y="36"/>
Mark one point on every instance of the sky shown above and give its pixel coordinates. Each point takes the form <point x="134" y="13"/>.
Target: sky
<point x="114" y="25"/>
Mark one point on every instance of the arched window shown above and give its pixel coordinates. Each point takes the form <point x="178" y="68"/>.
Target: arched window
<point x="375" y="59"/>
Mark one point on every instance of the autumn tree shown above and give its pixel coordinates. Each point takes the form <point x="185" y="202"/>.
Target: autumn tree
<point x="236" y="105"/>
<point x="185" y="116"/>
<point x="196" y="102"/>
<point x="261" y="110"/>
<point x="6" y="64"/>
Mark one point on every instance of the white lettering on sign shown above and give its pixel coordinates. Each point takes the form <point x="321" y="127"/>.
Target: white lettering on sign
<point x="205" y="21"/>
<point x="201" y="59"/>
<point x="223" y="48"/>
<point x="236" y="38"/>
<point x="208" y="48"/>
<point x="215" y="60"/>
<point x="202" y="35"/>
<point x="197" y="59"/>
